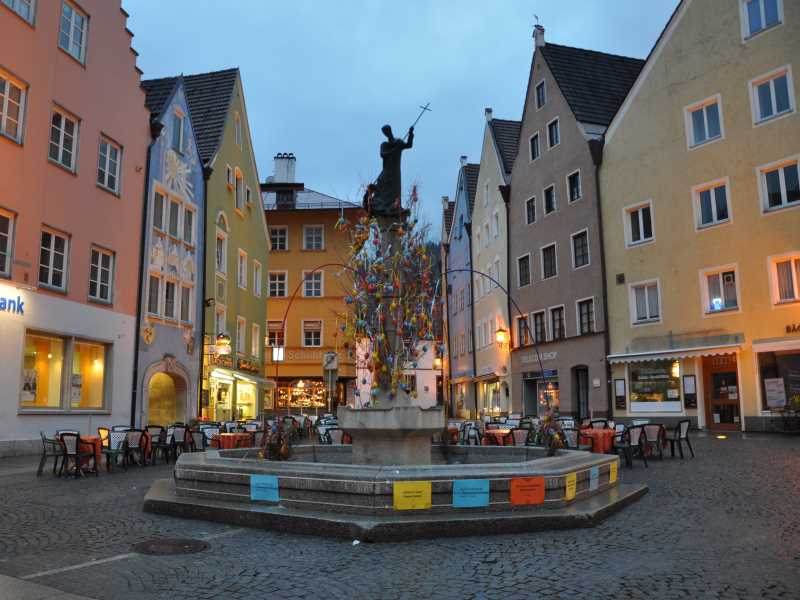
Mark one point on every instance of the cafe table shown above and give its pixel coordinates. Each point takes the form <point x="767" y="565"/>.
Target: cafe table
<point x="498" y="435"/>
<point x="602" y="439"/>
<point x="227" y="441"/>
<point x="93" y="443"/>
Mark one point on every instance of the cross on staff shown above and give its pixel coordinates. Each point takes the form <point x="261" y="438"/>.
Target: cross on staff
<point x="419" y="116"/>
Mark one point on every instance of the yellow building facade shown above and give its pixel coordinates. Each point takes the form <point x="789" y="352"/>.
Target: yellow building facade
<point x="306" y="286"/>
<point x="701" y="212"/>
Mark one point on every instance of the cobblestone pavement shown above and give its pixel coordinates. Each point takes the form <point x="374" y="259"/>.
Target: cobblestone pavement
<point x="723" y="525"/>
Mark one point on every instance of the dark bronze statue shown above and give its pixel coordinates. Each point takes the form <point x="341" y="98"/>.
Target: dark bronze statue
<point x="383" y="198"/>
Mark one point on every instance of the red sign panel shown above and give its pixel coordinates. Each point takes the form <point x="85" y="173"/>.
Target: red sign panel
<point x="526" y="490"/>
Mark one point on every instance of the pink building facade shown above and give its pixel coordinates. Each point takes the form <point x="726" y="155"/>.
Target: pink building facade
<point x="73" y="150"/>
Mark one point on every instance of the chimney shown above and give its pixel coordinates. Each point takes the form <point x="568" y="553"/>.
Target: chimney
<point x="445" y="202"/>
<point x="463" y="160"/>
<point x="284" y="167"/>
<point x="487" y="112"/>
<point x="538" y="36"/>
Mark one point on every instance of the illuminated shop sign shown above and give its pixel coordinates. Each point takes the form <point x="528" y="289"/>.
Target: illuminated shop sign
<point x="13" y="306"/>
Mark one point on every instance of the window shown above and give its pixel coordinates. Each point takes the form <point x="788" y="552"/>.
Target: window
<point x="188" y="225"/>
<point x="154" y="295"/>
<point x="42" y="369"/>
<point x="786" y="279"/>
<point x="24" y="8"/>
<point x="495" y="225"/>
<point x="549" y="199"/>
<point x="255" y="340"/>
<point x="549" y="266"/>
<point x="704" y="122"/>
<point x="312" y="334"/>
<point x="585" y="316"/>
<point x="6" y="242"/>
<point x="534" y="146"/>
<point x="158" y="211"/>
<point x="12" y="107"/>
<point x="639" y="224"/>
<point x="530" y="210"/>
<point x="719" y="290"/>
<point x="497" y="274"/>
<point x="229" y="176"/>
<point x="486" y="194"/>
<point x="173" y="218"/>
<point x="186" y="304"/>
<point x="759" y="15"/>
<point x="241" y="270"/>
<point x="178" y="126"/>
<point x="522" y="331"/>
<point x="553" y="134"/>
<point x="275" y="334"/>
<point x="780" y="185"/>
<point x="539" y="327"/>
<point x="654" y="381"/>
<point x="72" y="34"/>
<point x="220" y="319"/>
<point x="711" y="203"/>
<point x="241" y="335"/>
<point x="313" y="237"/>
<point x="524" y="270"/>
<point x="486" y="239"/>
<point x="278" y="238"/>
<point x="277" y="285"/>
<point x="169" y="299"/>
<point x="53" y="260"/>
<point x="221" y="253"/>
<point x="574" y="186"/>
<point x="772" y="95"/>
<point x="239" y="191"/>
<point x="237" y="130"/>
<point x="101" y="271"/>
<point x="645" y="302"/>
<point x="312" y="284"/>
<point x="247" y="196"/>
<point x="580" y="249"/>
<point x="541" y="95"/>
<point x="557" y="328"/>
<point x="63" y="139"/>
<point x="257" y="278"/>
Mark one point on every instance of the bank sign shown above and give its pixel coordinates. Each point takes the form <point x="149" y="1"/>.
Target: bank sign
<point x="10" y="305"/>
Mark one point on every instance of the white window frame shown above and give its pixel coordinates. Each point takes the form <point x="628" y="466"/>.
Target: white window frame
<point x="285" y="230"/>
<point x="81" y="57"/>
<point x="241" y="335"/>
<point x="65" y="270"/>
<point x="532" y="324"/>
<point x="543" y="85"/>
<point x="12" y="221"/>
<point x="238" y="192"/>
<point x="772" y="262"/>
<point x="281" y="330"/>
<point x="525" y="208"/>
<point x="698" y="213"/>
<point x="73" y="166"/>
<point x="165" y="281"/>
<point x="159" y="294"/>
<point x="322" y="230"/>
<point x="531" y="157"/>
<point x="255" y="337"/>
<point x="486" y="238"/>
<point x="549" y="323"/>
<point x="303" y="332"/>
<point x="220" y="315"/>
<point x="572" y="237"/>
<point x="188" y="210"/>
<point x="544" y="200"/>
<point x="632" y="302"/>
<point x="189" y="310"/>
<point x="530" y="271"/>
<point x="15" y="4"/>
<point x="755" y="104"/>
<point x="704" y="292"/>
<point x="689" y="125"/>
<point x="307" y="281"/>
<point x="555" y="262"/>
<point x="626" y="221"/>
<point x="518" y="340"/>
<point x="558" y="128"/>
<point x="159" y="226"/>
<point x="257" y="278"/>
<point x="179" y="127"/>
<point x="230" y="180"/>
<point x="285" y="284"/>
<point x="762" y="184"/>
<point x="221" y="235"/>
<point x="241" y="269"/>
<point x="745" y="20"/>
<point x="100" y="253"/>
<point x="580" y="186"/>
<point x="23" y="91"/>
<point x="578" y="315"/>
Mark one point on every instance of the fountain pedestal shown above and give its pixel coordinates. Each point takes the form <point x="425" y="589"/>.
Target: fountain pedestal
<point x="398" y="435"/>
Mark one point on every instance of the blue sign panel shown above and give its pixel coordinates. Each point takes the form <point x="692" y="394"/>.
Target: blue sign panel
<point x="264" y="488"/>
<point x="470" y="493"/>
<point x="594" y="478"/>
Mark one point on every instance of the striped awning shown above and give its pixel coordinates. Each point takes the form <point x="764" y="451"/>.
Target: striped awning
<point x="688" y="348"/>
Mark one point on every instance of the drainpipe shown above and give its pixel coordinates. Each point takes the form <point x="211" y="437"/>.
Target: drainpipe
<point x="446" y="318"/>
<point x="468" y="229"/>
<point x="596" y="151"/>
<point x="505" y="193"/>
<point x="155" y="131"/>
<point x="207" y="171"/>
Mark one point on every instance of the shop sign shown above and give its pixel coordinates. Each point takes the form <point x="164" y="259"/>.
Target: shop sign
<point x="470" y="493"/>
<point x="532" y="357"/>
<point x="248" y="366"/>
<point x="412" y="495"/>
<point x="221" y="360"/>
<point x="13" y="306"/>
<point x="793" y="328"/>
<point x="547" y="373"/>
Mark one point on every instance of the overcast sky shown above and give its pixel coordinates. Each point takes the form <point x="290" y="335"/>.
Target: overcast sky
<point x="321" y="77"/>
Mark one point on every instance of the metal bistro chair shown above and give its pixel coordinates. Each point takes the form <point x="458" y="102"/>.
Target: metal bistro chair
<point x="599" y="424"/>
<point x="117" y="447"/>
<point x="567" y="422"/>
<point x="74" y="455"/>
<point x="197" y="440"/>
<point x="680" y="435"/>
<point x="335" y="435"/>
<point x="134" y="450"/>
<point x="520" y="436"/>
<point x="573" y="439"/>
<point x="637" y="442"/>
<point x="52" y="447"/>
<point x="209" y="433"/>
<point x="179" y="442"/>
<point x="159" y="442"/>
<point x="655" y="437"/>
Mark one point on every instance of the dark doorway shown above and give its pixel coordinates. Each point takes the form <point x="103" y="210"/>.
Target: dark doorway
<point x="580" y="380"/>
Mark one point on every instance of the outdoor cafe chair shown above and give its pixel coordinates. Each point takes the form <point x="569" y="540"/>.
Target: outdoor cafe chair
<point x="637" y="442"/>
<point x="598" y="424"/>
<point x="210" y="433"/>
<point x="335" y="435"/>
<point x="655" y="436"/>
<point x="509" y="439"/>
<point x="573" y="439"/>
<point x="52" y="447"/>
<point x="586" y="423"/>
<point x="179" y="442"/>
<point x="259" y="438"/>
<point x="60" y="432"/>
<point x="160" y="441"/>
<point x="640" y="422"/>
<point x="678" y="436"/>
<point x="76" y="455"/>
<point x="473" y="436"/>
<point x="133" y="443"/>
<point x="520" y="436"/>
<point x="103" y="433"/>
<point x="622" y="444"/>
<point x="117" y="448"/>
<point x="197" y="440"/>
<point x="568" y="422"/>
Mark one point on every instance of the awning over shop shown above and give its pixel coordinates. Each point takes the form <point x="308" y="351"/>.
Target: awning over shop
<point x="220" y="373"/>
<point x="677" y="347"/>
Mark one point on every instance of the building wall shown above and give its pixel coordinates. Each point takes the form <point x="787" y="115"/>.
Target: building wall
<point x="529" y="179"/>
<point x="646" y="158"/>
<point x="39" y="193"/>
<point x="176" y="176"/>
<point x="489" y="256"/>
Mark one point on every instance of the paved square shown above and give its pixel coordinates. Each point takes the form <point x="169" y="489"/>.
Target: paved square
<point x="723" y="525"/>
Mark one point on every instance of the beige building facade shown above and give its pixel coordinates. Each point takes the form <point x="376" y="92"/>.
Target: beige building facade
<point x="701" y="209"/>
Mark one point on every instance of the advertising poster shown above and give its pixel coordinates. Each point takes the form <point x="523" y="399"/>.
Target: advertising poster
<point x="470" y="493"/>
<point x="775" y="391"/>
<point x="412" y="495"/>
<point x="570" y="486"/>
<point x="264" y="488"/>
<point x="526" y="490"/>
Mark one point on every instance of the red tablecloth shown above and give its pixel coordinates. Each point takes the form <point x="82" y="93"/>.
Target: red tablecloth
<point x="602" y="439"/>
<point x="92" y="442"/>
<point x="498" y="434"/>
<point x="453" y="433"/>
<point x="228" y="441"/>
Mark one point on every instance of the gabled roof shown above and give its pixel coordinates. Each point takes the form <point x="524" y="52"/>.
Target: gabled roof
<point x="307" y="199"/>
<point x="506" y="136"/>
<point x="471" y="179"/>
<point x="209" y="97"/>
<point x="594" y="83"/>
<point x="448" y="217"/>
<point x="157" y="92"/>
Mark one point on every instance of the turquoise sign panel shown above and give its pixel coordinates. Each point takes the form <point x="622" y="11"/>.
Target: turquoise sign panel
<point x="594" y="478"/>
<point x="264" y="488"/>
<point x="470" y="493"/>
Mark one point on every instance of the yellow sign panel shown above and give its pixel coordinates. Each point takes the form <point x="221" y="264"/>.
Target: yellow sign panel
<point x="412" y="495"/>
<point x="612" y="472"/>
<point x="570" y="485"/>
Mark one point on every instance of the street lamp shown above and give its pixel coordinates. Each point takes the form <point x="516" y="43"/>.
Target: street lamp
<point x="501" y="336"/>
<point x="223" y="345"/>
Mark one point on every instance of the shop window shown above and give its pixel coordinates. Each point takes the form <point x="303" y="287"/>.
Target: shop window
<point x="88" y="375"/>
<point x="779" y="378"/>
<point x="42" y="367"/>
<point x="654" y="382"/>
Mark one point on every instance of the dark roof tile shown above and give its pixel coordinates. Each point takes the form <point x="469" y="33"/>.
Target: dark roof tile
<point x="506" y="136"/>
<point x="471" y="174"/>
<point x="448" y="217"/>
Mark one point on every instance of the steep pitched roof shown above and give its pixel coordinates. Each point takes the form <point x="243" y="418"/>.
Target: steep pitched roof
<point x="594" y="83"/>
<point x="506" y="136"/>
<point x="209" y="97"/>
<point x="157" y="92"/>
<point x="471" y="177"/>
<point x="448" y="217"/>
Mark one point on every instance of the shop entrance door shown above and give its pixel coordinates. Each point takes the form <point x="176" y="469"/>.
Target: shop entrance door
<point x="721" y="384"/>
<point x="581" y="383"/>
